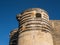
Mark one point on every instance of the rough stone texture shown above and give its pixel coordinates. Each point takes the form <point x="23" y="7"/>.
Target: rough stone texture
<point x="13" y="37"/>
<point x="35" y="37"/>
<point x="56" y="31"/>
<point x="34" y="28"/>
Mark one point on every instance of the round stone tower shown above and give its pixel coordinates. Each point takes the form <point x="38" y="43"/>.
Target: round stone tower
<point x="34" y="27"/>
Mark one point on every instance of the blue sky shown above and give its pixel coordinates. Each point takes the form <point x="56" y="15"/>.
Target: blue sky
<point x="9" y="9"/>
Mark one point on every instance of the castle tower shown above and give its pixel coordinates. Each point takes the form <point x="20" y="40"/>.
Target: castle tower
<point x="13" y="37"/>
<point x="34" y="28"/>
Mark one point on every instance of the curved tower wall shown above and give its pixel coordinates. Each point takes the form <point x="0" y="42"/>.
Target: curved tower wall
<point x="13" y="37"/>
<point x="34" y="28"/>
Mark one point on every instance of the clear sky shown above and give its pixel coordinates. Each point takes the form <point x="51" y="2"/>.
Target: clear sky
<point x="9" y="9"/>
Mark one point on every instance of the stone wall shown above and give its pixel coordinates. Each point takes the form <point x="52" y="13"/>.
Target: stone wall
<point x="55" y="31"/>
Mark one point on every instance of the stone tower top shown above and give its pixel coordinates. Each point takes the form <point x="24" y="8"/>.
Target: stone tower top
<point x="36" y="12"/>
<point x="33" y="26"/>
<point x="33" y="18"/>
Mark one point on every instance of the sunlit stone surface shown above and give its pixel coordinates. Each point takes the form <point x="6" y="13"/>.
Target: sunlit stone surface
<point x="35" y="28"/>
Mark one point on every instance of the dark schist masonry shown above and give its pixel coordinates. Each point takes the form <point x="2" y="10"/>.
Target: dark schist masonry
<point x="32" y="20"/>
